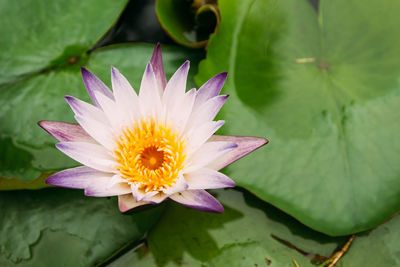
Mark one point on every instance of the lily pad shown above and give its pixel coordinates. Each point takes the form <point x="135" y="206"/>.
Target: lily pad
<point x="249" y="233"/>
<point x="65" y="225"/>
<point x="323" y="86"/>
<point x="40" y="97"/>
<point x="39" y="34"/>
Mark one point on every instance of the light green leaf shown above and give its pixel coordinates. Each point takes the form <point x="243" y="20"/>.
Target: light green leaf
<point x="41" y="97"/>
<point x="249" y="233"/>
<point x="38" y="34"/>
<point x="323" y="86"/>
<point x="43" y="227"/>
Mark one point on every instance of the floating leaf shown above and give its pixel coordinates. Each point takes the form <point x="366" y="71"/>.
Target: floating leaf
<point x="323" y="87"/>
<point x="42" y="226"/>
<point x="39" y="34"/>
<point x="249" y="233"/>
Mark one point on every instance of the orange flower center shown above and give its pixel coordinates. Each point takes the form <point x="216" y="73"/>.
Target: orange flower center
<point x="150" y="155"/>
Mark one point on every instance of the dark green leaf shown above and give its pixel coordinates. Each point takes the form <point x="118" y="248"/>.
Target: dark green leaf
<point x="58" y="226"/>
<point x="249" y="233"/>
<point x="188" y="23"/>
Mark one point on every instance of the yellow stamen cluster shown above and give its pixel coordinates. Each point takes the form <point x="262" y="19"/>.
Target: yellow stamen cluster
<point x="150" y="155"/>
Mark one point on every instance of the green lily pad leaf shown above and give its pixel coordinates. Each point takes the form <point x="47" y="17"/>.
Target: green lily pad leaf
<point x="41" y="97"/>
<point x="249" y="233"/>
<point x="323" y="87"/>
<point x="41" y="226"/>
<point x="188" y="23"/>
<point x="379" y="247"/>
<point x="39" y="34"/>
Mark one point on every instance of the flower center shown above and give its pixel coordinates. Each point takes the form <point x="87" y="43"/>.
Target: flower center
<point x="150" y="155"/>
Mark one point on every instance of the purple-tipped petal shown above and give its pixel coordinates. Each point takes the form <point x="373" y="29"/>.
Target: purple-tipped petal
<point x="207" y="111"/>
<point x="245" y="145"/>
<point x="158" y="67"/>
<point x="65" y="131"/>
<point x="78" y="178"/>
<point x="80" y="107"/>
<point x="149" y="95"/>
<point x="208" y="153"/>
<point x="91" y="155"/>
<point x="94" y="84"/>
<point x="208" y="179"/>
<point x="211" y="88"/>
<point x="102" y="188"/>
<point x="127" y="203"/>
<point x="199" y="135"/>
<point x="176" y="86"/>
<point x="198" y="199"/>
<point x="125" y="97"/>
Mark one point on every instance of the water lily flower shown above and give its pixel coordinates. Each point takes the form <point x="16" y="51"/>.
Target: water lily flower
<point x="148" y="147"/>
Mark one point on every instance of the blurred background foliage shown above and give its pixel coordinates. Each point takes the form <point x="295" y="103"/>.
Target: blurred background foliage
<point x="319" y="79"/>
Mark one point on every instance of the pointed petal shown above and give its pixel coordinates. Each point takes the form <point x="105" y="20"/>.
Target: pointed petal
<point x="198" y="199"/>
<point x="80" y="107"/>
<point x="198" y="136"/>
<point x="149" y="95"/>
<point x="208" y="153"/>
<point x="246" y="144"/>
<point x="179" y="186"/>
<point x="98" y="131"/>
<point x="91" y="155"/>
<point x="180" y="113"/>
<point x="127" y="203"/>
<point x="211" y="88"/>
<point x="125" y="97"/>
<point x="207" y="111"/>
<point x="176" y="86"/>
<point x="101" y="188"/>
<point x="111" y="111"/>
<point x="158" y="67"/>
<point x="94" y="84"/>
<point x="79" y="177"/>
<point x="65" y="131"/>
<point x="208" y="179"/>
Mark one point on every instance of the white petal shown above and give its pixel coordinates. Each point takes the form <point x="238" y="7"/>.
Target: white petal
<point x="125" y="97"/>
<point x="99" y="131"/>
<point x="207" y="153"/>
<point x="102" y="189"/>
<point x="179" y="114"/>
<point x="198" y="199"/>
<point x="197" y="137"/>
<point x="84" y="109"/>
<point x="176" y="86"/>
<point x="208" y="179"/>
<point x="127" y="203"/>
<point x="206" y="112"/>
<point x="79" y="177"/>
<point x="180" y="185"/>
<point x="149" y="95"/>
<point x="91" y="155"/>
<point x="111" y="110"/>
<point x="246" y="144"/>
